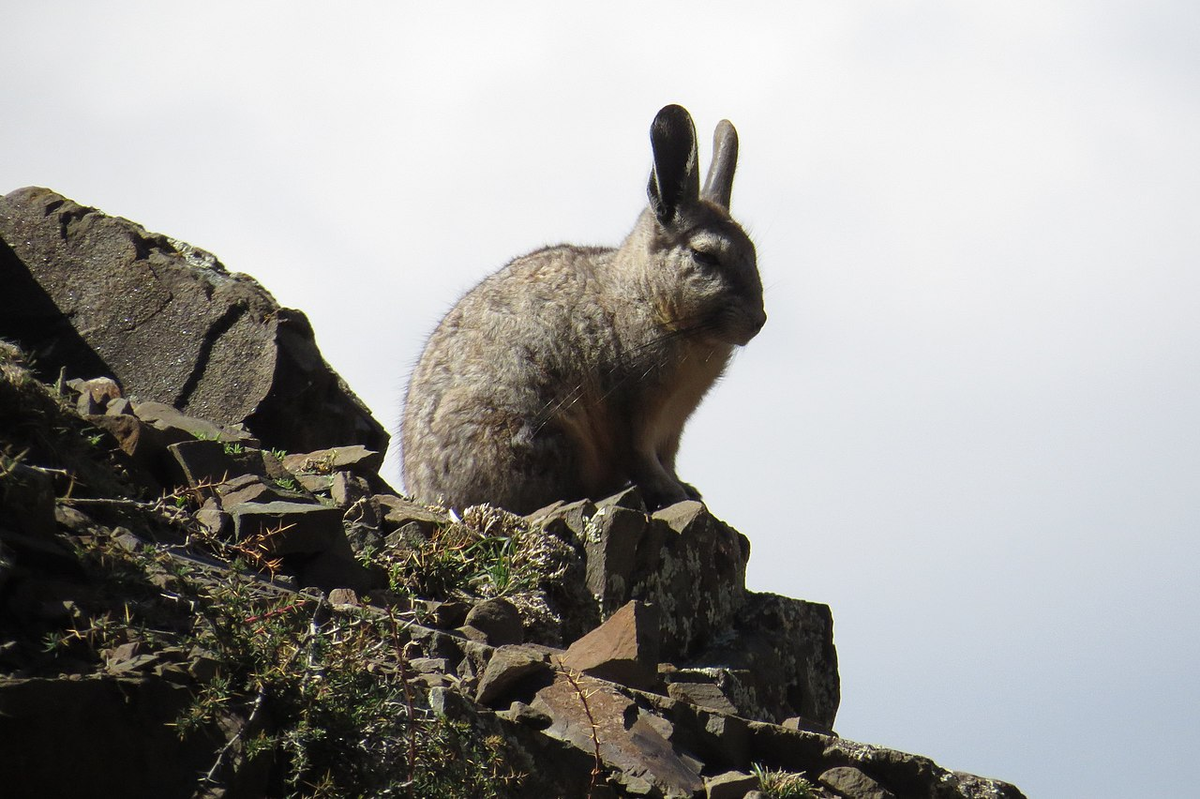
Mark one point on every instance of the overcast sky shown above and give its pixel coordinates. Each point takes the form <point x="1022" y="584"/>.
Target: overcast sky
<point x="970" y="424"/>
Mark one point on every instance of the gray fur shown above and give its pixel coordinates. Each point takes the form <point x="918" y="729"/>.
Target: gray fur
<point x="570" y="372"/>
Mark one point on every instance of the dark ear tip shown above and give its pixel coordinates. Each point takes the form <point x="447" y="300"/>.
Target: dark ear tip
<point x="674" y="111"/>
<point x="670" y="118"/>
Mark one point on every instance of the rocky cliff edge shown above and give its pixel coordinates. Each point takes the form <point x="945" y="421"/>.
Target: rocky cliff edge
<point x="206" y="589"/>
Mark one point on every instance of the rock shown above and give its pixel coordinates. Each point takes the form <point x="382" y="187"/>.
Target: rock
<point x="514" y="669"/>
<point x="336" y="569"/>
<point x="95" y="394"/>
<point x="202" y="463"/>
<point x="255" y="460"/>
<point x="448" y="615"/>
<point x="696" y="576"/>
<point x="630" y="499"/>
<point x="252" y="488"/>
<point x="783" y="748"/>
<point x="682" y="560"/>
<point x="27" y="500"/>
<point x="346" y="489"/>
<point x="126" y="658"/>
<point x="638" y="753"/>
<point x="611" y="544"/>
<point x="36" y="551"/>
<point x="853" y="784"/>
<point x="119" y="407"/>
<point x="521" y="713"/>
<point x="287" y="528"/>
<point x="472" y="660"/>
<point x="315" y="483"/>
<point x="718" y="688"/>
<point x="126" y="539"/>
<point x="566" y="520"/>
<point x="730" y="785"/>
<point x="429" y="665"/>
<point x="400" y="513"/>
<point x="970" y="786"/>
<point x="364" y="539"/>
<point x="355" y="458"/>
<point x="216" y="521"/>
<point x="145" y="445"/>
<point x="902" y="774"/>
<point x="623" y="649"/>
<point x="702" y="694"/>
<point x="786" y="645"/>
<point x="208" y="464"/>
<point x="343" y="598"/>
<point x="98" y="295"/>
<point x="498" y="620"/>
<point x="166" y="418"/>
<point x="801" y="723"/>
<point x="108" y="724"/>
<point x="73" y="520"/>
<point x="451" y="705"/>
<point x="724" y="740"/>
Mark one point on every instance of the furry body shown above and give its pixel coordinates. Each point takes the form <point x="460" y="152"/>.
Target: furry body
<point x="570" y="372"/>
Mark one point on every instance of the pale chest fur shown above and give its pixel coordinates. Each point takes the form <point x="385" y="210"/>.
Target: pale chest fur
<point x="664" y="412"/>
<point x="603" y="436"/>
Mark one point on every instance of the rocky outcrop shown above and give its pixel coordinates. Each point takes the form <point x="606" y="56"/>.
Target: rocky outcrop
<point x="103" y="735"/>
<point x="164" y="571"/>
<point x="98" y="295"/>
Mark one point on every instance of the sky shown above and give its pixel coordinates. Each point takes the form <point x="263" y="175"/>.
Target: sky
<point x="969" y="425"/>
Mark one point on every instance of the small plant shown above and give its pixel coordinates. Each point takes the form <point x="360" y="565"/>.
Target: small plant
<point x="55" y="641"/>
<point x="287" y="483"/>
<point x="492" y="559"/>
<point x="230" y="447"/>
<point x="779" y="784"/>
<point x="326" y="464"/>
<point x="459" y="558"/>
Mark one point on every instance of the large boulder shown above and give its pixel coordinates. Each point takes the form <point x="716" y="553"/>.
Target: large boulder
<point x="762" y="656"/>
<point x="94" y="294"/>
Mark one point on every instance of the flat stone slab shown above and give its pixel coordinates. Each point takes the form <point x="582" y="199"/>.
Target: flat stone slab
<point x="288" y="528"/>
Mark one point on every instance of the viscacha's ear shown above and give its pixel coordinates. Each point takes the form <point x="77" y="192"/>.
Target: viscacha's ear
<point x="718" y="186"/>
<point x="675" y="179"/>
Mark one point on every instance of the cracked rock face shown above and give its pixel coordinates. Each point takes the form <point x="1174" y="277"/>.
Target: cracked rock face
<point x="100" y="295"/>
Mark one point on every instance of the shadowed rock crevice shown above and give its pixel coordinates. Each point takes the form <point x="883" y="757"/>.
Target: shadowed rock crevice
<point x="29" y="316"/>
<point x="219" y="328"/>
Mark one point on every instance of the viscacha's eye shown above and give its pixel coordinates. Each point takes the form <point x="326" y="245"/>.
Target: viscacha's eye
<point x="705" y="258"/>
